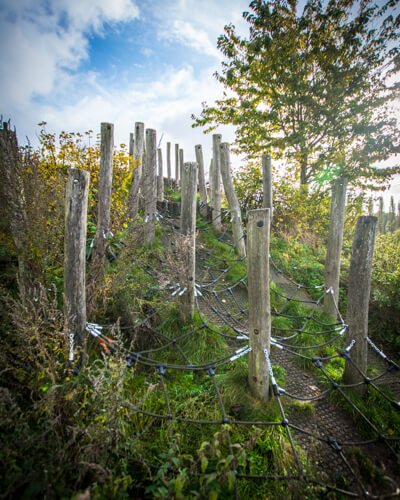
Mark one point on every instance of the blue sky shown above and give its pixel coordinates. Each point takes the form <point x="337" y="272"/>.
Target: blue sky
<point x="77" y="63"/>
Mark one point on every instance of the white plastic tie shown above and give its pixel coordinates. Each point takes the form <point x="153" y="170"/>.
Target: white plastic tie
<point x="71" y="347"/>
<point x="348" y="348"/>
<point x="240" y="354"/>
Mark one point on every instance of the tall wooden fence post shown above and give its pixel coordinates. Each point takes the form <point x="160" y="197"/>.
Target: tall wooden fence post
<point x="13" y="200"/>
<point x="177" y="164"/>
<point x="180" y="163"/>
<point x="160" y="177"/>
<point x="267" y="183"/>
<point x="202" y="182"/>
<point x="210" y="179"/>
<point x="258" y="234"/>
<point x="188" y="228"/>
<point x="237" y="228"/>
<point x="131" y="151"/>
<point x="150" y="188"/>
<point x="76" y="202"/>
<point x="216" y="184"/>
<point x="105" y="185"/>
<point x="138" y="156"/>
<point x="334" y="249"/>
<point x="169" y="163"/>
<point x="358" y="297"/>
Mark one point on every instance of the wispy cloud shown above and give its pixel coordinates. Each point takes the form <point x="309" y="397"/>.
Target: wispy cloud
<point x="187" y="34"/>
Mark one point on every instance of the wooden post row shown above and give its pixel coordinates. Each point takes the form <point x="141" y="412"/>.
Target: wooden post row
<point x="237" y="228"/>
<point x="105" y="185"/>
<point x="188" y="228"/>
<point x="358" y="298"/>
<point x="258" y="234"/>
<point x="76" y="202"/>
<point x="201" y="178"/>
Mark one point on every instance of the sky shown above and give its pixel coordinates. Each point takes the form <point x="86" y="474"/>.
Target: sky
<point x="77" y="63"/>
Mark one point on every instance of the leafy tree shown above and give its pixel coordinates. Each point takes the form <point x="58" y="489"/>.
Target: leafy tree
<point x="313" y="87"/>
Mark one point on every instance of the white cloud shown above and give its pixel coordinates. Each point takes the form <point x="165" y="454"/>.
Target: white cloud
<point x="42" y="39"/>
<point x="187" y="34"/>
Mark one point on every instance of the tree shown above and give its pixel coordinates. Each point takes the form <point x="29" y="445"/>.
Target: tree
<point x="314" y="88"/>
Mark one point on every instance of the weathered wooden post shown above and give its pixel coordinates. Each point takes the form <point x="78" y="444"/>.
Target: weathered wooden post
<point x="177" y="164"/>
<point x="258" y="233"/>
<point x="358" y="297"/>
<point x="13" y="199"/>
<point x="131" y="151"/>
<point x="138" y="157"/>
<point x="237" y="228"/>
<point x="169" y="163"/>
<point x="216" y="184"/>
<point x="210" y="179"/>
<point x="267" y="183"/>
<point x="160" y="178"/>
<point x="202" y="182"/>
<point x="180" y="163"/>
<point x="150" y="188"/>
<point x="104" y="193"/>
<point x="76" y="202"/>
<point x="188" y="228"/>
<point x="334" y="249"/>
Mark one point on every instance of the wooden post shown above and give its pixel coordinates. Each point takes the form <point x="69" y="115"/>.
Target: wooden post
<point x="267" y="183"/>
<point x="201" y="178"/>
<point x="334" y="249"/>
<point x="169" y="163"/>
<point x="216" y="184"/>
<point x="160" y="177"/>
<point x="76" y="202"/>
<point x="210" y="178"/>
<point x="105" y="185"/>
<point x="177" y="164"/>
<point x="188" y="228"/>
<point x="150" y="188"/>
<point x="180" y="163"/>
<point x="13" y="200"/>
<point x="237" y="229"/>
<point x="258" y="234"/>
<point x="131" y="151"/>
<point x="138" y="157"/>
<point x="358" y="297"/>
